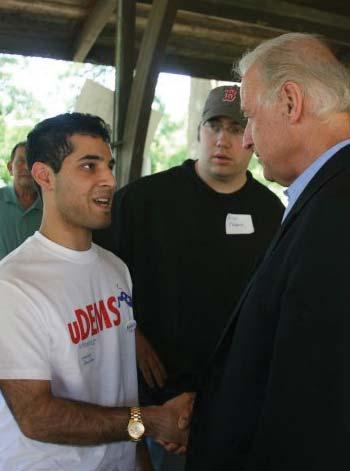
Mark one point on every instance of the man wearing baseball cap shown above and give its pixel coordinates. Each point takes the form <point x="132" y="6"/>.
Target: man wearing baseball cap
<point x="191" y="237"/>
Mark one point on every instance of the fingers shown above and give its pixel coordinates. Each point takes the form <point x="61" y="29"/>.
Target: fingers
<point x="146" y="373"/>
<point x="173" y="447"/>
<point x="153" y="371"/>
<point x="149" y="363"/>
<point x="184" y="421"/>
<point x="181" y="450"/>
<point x="158" y="370"/>
<point x="158" y="367"/>
<point x="183" y="404"/>
<point x="172" y="424"/>
<point x="185" y="415"/>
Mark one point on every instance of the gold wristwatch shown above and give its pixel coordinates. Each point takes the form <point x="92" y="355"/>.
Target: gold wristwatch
<point x="136" y="429"/>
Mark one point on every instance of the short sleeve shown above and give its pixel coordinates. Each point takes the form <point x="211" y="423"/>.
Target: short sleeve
<point x="24" y="339"/>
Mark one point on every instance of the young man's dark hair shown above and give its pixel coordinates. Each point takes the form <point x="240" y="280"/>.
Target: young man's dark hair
<point x="49" y="140"/>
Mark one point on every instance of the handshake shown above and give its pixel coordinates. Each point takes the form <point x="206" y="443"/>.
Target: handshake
<point x="169" y="423"/>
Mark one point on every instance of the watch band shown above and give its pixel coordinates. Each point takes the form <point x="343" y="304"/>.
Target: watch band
<point x="135" y="414"/>
<point x="136" y="429"/>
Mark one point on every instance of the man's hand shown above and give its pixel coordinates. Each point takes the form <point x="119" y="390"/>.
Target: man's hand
<point x="161" y="423"/>
<point x="183" y="406"/>
<point x="148" y="361"/>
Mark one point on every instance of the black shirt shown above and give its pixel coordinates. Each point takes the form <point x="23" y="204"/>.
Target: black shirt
<point x="187" y="272"/>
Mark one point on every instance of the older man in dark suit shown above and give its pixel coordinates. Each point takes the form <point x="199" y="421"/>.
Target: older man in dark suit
<point x="276" y="395"/>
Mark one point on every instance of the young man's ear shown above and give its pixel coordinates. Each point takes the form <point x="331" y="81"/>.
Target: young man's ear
<point x="43" y="175"/>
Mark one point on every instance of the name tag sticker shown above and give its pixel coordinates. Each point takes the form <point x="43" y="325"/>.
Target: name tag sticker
<point x="239" y="224"/>
<point x="131" y="325"/>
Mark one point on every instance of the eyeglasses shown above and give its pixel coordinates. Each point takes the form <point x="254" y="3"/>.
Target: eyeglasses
<point x="215" y="127"/>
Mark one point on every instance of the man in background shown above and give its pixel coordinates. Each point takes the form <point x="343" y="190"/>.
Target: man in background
<point x="276" y="396"/>
<point x="191" y="237"/>
<point x="20" y="206"/>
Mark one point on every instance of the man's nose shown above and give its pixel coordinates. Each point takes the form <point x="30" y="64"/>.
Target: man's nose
<point x="248" y="143"/>
<point x="223" y="137"/>
<point x="23" y="166"/>
<point x="109" y="178"/>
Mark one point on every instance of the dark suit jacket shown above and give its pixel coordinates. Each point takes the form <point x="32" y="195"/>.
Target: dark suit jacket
<point x="276" y="395"/>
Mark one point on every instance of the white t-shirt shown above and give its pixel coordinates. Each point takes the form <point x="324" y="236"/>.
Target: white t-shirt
<point x="66" y="317"/>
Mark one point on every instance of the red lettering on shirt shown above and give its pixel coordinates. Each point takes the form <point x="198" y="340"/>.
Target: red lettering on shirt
<point x="101" y="315"/>
<point x="74" y="331"/>
<point x="84" y="323"/>
<point x="94" y="318"/>
<point x="111" y="305"/>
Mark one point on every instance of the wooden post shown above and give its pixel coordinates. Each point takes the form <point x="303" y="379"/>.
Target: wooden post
<point x="124" y="68"/>
<point x="153" y="45"/>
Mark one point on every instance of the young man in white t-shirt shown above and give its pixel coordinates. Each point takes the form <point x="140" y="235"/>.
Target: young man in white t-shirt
<point x="67" y="347"/>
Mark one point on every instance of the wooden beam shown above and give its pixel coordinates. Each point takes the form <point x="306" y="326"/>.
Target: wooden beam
<point x="94" y="24"/>
<point x="206" y="36"/>
<point x="272" y="12"/>
<point x="48" y="48"/>
<point x="142" y="93"/>
<point x="201" y="68"/>
<point x="260" y="20"/>
<point x="257" y="10"/>
<point x="124" y="68"/>
<point x="279" y="14"/>
<point x="43" y="8"/>
<point x="190" y="27"/>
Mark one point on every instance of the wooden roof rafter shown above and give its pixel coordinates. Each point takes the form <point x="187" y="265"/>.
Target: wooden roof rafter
<point x="201" y="38"/>
<point x="93" y="25"/>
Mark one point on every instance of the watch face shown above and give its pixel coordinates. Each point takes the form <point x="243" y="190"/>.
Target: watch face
<point x="136" y="429"/>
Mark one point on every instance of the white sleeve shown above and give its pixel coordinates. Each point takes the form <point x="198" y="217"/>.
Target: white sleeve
<point x="24" y="340"/>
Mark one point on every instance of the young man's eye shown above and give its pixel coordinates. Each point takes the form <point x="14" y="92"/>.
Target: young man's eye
<point x="88" y="166"/>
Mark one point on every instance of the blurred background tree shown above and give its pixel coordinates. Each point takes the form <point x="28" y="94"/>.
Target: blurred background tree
<point x="19" y="110"/>
<point x="167" y="148"/>
<point x="57" y="84"/>
<point x="257" y="170"/>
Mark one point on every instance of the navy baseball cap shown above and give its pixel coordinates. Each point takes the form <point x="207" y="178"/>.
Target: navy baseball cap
<point x="224" y="101"/>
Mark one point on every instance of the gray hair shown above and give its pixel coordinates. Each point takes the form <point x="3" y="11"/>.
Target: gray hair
<point x="306" y="60"/>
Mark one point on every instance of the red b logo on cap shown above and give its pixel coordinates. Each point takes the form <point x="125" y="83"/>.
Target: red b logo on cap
<point x="230" y="94"/>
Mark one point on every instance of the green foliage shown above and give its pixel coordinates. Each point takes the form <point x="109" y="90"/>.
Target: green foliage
<point x="257" y="170"/>
<point x="19" y="110"/>
<point x="4" y="174"/>
<point x="167" y="149"/>
<point x="74" y="75"/>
